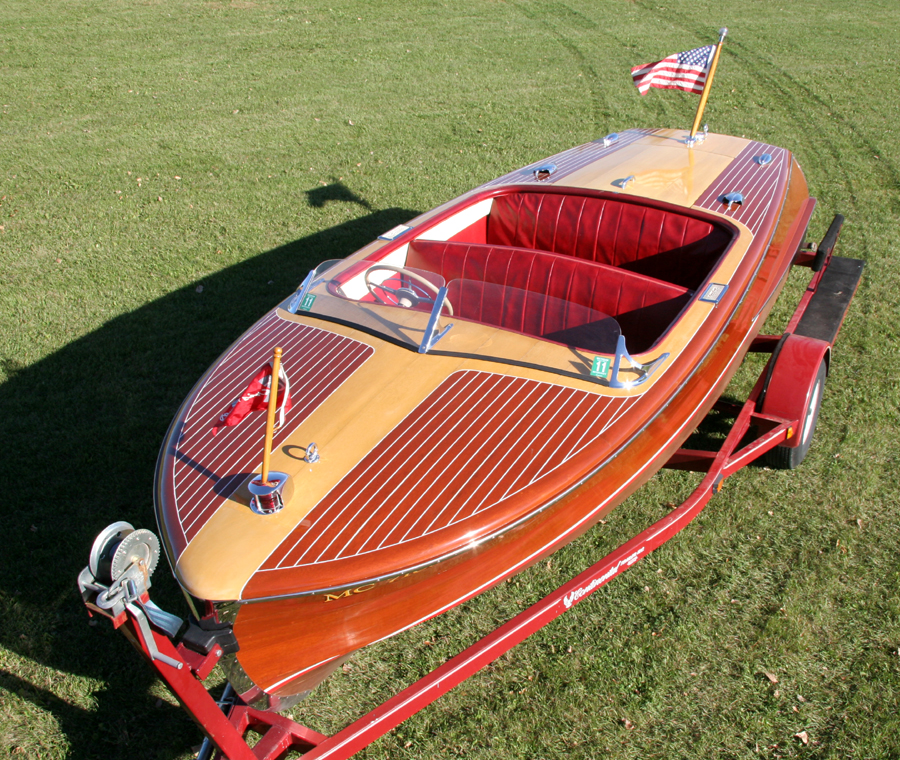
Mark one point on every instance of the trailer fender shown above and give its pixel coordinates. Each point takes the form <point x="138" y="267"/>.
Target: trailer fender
<point x="793" y="391"/>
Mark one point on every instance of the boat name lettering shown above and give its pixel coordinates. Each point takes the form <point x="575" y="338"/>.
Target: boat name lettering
<point x="573" y="596"/>
<point x="349" y="592"/>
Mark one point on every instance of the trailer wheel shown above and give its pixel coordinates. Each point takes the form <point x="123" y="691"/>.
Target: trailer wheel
<point x="786" y="457"/>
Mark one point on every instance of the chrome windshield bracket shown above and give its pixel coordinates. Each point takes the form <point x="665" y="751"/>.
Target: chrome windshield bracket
<point x="302" y="291"/>
<point x="430" y="338"/>
<point x="647" y="370"/>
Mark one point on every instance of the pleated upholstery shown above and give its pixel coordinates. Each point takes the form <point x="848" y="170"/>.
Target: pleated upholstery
<point x="669" y="246"/>
<point x="574" y="290"/>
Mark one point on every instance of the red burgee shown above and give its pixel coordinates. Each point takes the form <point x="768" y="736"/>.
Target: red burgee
<point x="256" y="399"/>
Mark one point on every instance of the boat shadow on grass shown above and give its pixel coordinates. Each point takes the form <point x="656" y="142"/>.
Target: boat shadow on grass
<point x="81" y="431"/>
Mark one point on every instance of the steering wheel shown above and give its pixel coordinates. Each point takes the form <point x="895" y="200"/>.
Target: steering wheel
<point x="406" y="296"/>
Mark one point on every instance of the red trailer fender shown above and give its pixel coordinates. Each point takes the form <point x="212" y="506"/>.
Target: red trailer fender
<point x="793" y="388"/>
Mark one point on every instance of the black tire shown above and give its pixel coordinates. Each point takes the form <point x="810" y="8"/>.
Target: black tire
<point x="786" y="458"/>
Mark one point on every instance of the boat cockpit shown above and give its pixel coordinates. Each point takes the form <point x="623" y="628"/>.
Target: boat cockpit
<point x="576" y="267"/>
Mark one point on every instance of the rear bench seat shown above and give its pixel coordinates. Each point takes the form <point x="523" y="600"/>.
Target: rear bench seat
<point x="669" y="246"/>
<point x="643" y="306"/>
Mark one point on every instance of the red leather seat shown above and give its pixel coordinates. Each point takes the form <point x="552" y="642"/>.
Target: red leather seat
<point x="673" y="247"/>
<point x="643" y="306"/>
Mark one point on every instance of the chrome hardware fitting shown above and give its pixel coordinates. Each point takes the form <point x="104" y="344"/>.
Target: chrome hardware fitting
<point x="302" y="300"/>
<point x="610" y="139"/>
<point x="302" y="292"/>
<point x="395" y="232"/>
<point x="647" y="370"/>
<point x="543" y="173"/>
<point x="697" y="139"/>
<point x="733" y="199"/>
<point x="624" y="181"/>
<point x="713" y="293"/>
<point x="267" y="498"/>
<point x="312" y="453"/>
<point x="765" y="158"/>
<point x="431" y="336"/>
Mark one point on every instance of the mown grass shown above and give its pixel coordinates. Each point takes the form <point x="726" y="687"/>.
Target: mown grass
<point x="148" y="148"/>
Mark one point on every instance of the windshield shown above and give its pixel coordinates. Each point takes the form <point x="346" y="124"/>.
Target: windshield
<point x="396" y="302"/>
<point x="418" y="308"/>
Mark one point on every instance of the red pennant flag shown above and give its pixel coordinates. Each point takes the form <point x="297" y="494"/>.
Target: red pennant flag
<point x="256" y="399"/>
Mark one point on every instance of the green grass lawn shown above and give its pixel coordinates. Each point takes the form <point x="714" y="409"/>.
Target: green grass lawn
<point x="148" y="148"/>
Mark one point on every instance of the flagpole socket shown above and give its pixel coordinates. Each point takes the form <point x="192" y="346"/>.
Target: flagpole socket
<point x="268" y="498"/>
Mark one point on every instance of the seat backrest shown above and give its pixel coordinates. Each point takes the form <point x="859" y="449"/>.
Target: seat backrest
<point x="642" y="306"/>
<point x="669" y="246"/>
<point x="533" y="314"/>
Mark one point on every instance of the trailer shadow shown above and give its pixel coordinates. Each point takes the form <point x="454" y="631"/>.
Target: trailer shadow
<point x="81" y="431"/>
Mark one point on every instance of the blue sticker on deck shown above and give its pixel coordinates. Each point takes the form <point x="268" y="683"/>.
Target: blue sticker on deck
<point x="714" y="292"/>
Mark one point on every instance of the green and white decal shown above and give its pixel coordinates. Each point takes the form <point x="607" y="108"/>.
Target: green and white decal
<point x="600" y="367"/>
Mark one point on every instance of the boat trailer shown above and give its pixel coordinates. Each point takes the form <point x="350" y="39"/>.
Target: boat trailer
<point x="776" y="421"/>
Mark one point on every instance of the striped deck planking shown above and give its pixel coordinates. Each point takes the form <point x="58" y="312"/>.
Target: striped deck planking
<point x="747" y="176"/>
<point x="316" y="362"/>
<point x="489" y="436"/>
<point x="569" y="161"/>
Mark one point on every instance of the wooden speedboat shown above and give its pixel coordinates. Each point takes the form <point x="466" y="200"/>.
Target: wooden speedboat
<point x="481" y="386"/>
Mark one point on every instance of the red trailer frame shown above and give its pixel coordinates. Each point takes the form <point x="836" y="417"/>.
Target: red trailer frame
<point x="797" y="354"/>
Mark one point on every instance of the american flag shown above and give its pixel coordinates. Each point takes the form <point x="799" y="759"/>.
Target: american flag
<point x="682" y="71"/>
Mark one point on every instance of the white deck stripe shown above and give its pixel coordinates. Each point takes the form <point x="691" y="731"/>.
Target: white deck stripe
<point x="467" y="381"/>
<point x="529" y="392"/>
<point x="224" y="447"/>
<point x="416" y="484"/>
<point x="326" y="512"/>
<point x="572" y="531"/>
<point x="424" y="488"/>
<point x="254" y="429"/>
<point x="362" y="474"/>
<point x="533" y="431"/>
<point x="193" y="488"/>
